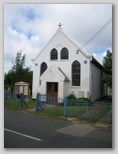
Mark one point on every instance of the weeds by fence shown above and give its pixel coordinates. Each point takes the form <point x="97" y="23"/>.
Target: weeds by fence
<point x="61" y="107"/>
<point x="49" y="104"/>
<point x="72" y="108"/>
<point x="14" y="101"/>
<point x="11" y="100"/>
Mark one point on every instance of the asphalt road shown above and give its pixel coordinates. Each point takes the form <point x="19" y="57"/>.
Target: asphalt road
<point x="24" y="130"/>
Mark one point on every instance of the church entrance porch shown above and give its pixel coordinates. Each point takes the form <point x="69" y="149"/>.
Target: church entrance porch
<point x="52" y="91"/>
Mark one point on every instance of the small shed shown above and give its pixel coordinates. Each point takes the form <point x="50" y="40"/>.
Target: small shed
<point x="22" y="87"/>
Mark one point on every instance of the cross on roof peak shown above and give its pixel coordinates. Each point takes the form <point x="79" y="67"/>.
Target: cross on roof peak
<point x="59" y="24"/>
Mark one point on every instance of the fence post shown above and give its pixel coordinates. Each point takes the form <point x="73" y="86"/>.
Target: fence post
<point x="21" y="100"/>
<point x="86" y="109"/>
<point x="27" y="99"/>
<point x="45" y="103"/>
<point x="37" y="101"/>
<point x="65" y="106"/>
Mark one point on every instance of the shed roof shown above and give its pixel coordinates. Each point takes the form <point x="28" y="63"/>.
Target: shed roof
<point x="95" y="62"/>
<point x="21" y="83"/>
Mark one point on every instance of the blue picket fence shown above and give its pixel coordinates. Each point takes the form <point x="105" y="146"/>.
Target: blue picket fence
<point x="72" y="108"/>
<point x="14" y="99"/>
<point x="49" y="104"/>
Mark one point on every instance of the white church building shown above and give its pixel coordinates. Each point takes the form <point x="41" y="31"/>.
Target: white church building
<point x="62" y="68"/>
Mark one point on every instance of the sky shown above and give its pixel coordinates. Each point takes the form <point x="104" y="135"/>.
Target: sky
<point x="29" y="27"/>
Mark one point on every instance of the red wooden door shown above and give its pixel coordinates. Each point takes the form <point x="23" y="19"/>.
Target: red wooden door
<point x="52" y="92"/>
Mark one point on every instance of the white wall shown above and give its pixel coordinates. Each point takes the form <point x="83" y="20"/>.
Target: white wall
<point x="59" y="41"/>
<point x="95" y="82"/>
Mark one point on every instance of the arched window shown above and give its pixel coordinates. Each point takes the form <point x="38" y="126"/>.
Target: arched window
<point x="43" y="68"/>
<point x="64" y="53"/>
<point x="76" y="73"/>
<point x="53" y="54"/>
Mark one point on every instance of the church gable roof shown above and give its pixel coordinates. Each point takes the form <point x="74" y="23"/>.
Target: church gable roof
<point x="54" y="73"/>
<point x="60" y="30"/>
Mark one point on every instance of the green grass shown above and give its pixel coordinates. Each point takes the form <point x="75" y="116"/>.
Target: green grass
<point x="74" y="109"/>
<point x="31" y="103"/>
<point x="55" y="111"/>
<point x="48" y="114"/>
<point x="12" y="104"/>
<point x="94" y="112"/>
<point x="15" y="104"/>
<point x="71" y="110"/>
<point x="99" y="113"/>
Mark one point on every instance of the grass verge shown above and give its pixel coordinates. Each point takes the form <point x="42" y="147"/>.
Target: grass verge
<point x="15" y="104"/>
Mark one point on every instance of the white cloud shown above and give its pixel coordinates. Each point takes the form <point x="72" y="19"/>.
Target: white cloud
<point x="94" y="54"/>
<point x="28" y="27"/>
<point x="99" y="58"/>
<point x="104" y="54"/>
<point x="13" y="33"/>
<point x="34" y="38"/>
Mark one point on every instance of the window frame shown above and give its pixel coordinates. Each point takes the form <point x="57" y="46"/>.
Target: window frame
<point x="43" y="67"/>
<point x="54" y="53"/>
<point x="63" y="55"/>
<point x="76" y="76"/>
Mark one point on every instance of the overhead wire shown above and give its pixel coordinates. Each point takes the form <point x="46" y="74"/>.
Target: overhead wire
<point x="97" y="33"/>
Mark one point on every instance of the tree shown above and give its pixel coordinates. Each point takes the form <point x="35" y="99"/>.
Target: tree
<point x="107" y="64"/>
<point x="19" y="72"/>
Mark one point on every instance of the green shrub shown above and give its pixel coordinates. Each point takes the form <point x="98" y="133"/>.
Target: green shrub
<point x="71" y="96"/>
<point x="85" y="99"/>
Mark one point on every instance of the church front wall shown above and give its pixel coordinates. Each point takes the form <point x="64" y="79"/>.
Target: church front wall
<point x="66" y="66"/>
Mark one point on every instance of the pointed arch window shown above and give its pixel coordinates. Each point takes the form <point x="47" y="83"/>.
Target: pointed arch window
<point x="76" y="70"/>
<point x="54" y="54"/>
<point x="64" y="53"/>
<point x="43" y="68"/>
